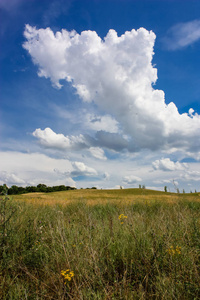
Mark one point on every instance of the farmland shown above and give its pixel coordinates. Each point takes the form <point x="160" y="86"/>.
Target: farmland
<point x="100" y="244"/>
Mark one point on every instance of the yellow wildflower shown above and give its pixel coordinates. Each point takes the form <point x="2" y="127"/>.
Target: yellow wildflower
<point x="122" y="217"/>
<point x="67" y="275"/>
<point x="172" y="251"/>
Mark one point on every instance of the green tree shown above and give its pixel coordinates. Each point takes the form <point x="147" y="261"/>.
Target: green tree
<point x="42" y="187"/>
<point x="14" y="190"/>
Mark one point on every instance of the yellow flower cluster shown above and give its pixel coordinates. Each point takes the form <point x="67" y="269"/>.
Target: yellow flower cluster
<point x="67" y="275"/>
<point x="172" y="251"/>
<point x="122" y="217"/>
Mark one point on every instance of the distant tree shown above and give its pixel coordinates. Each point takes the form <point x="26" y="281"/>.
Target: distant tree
<point x="140" y="186"/>
<point x="69" y="188"/>
<point x="21" y="190"/>
<point x="14" y="190"/>
<point x="49" y="189"/>
<point x="144" y="187"/>
<point x="31" y="189"/>
<point x="165" y="189"/>
<point x="178" y="191"/>
<point x="183" y="191"/>
<point x="62" y="188"/>
<point x="195" y="191"/>
<point x="41" y="187"/>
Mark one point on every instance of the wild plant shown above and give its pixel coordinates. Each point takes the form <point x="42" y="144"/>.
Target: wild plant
<point x="7" y="211"/>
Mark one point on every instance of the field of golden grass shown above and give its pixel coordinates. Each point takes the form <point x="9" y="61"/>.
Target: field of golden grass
<point x="97" y="197"/>
<point x="91" y="244"/>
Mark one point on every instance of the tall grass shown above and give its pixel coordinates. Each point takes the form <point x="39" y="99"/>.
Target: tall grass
<point x="141" y="250"/>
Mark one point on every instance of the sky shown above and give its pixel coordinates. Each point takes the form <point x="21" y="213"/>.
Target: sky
<point x="100" y="93"/>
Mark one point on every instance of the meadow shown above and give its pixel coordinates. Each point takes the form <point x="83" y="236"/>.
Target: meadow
<point x="100" y="244"/>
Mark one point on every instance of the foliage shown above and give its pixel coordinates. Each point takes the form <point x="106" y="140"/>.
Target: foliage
<point x="40" y="188"/>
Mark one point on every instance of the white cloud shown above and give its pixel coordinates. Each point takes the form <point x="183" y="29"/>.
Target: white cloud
<point x="10" y="179"/>
<point x="191" y="111"/>
<point x="88" y="121"/>
<point x="191" y="176"/>
<point x="117" y="75"/>
<point x="80" y="169"/>
<point x="87" y="171"/>
<point x="97" y="123"/>
<point x="182" y="35"/>
<point x="131" y="179"/>
<point x="98" y="153"/>
<point x="165" y="164"/>
<point x="49" y="139"/>
<point x="32" y="169"/>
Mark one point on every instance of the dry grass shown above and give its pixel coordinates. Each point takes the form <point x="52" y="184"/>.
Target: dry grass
<point x="119" y="244"/>
<point x="97" y="197"/>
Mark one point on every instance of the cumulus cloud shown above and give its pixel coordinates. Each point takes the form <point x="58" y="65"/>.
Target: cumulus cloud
<point x="49" y="139"/>
<point x="131" y="179"/>
<point x="118" y="76"/>
<point x="165" y="164"/>
<point x="182" y="35"/>
<point x="80" y="169"/>
<point x="97" y="153"/>
<point x="52" y="140"/>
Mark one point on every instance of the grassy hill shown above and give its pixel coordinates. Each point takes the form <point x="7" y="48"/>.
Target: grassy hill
<point x="94" y="196"/>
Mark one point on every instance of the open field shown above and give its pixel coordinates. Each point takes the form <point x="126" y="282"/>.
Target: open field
<point x="94" y="197"/>
<point x="100" y="244"/>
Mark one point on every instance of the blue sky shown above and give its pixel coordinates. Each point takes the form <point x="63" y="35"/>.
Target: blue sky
<point x="100" y="93"/>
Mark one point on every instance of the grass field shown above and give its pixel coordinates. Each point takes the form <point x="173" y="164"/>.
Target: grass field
<point x="100" y="244"/>
<point x="94" y="197"/>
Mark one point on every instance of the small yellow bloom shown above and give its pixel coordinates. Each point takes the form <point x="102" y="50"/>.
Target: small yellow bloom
<point x="67" y="275"/>
<point x="122" y="217"/>
<point x="172" y="251"/>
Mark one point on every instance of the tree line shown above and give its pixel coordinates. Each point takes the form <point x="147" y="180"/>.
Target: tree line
<point x="16" y="190"/>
